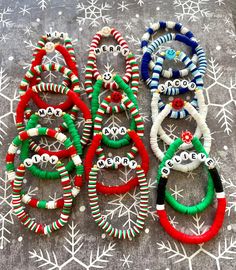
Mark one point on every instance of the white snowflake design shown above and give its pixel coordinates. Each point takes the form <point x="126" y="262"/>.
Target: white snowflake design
<point x="74" y="243"/>
<point x="93" y="12"/>
<point x="225" y="114"/>
<point x="192" y="9"/>
<point x="43" y="3"/>
<point x="4" y="17"/>
<point x="6" y="213"/>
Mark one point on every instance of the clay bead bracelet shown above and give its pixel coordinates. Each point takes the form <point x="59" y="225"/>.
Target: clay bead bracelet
<point x="177" y="106"/>
<point x="114" y="108"/>
<point x="35" y="147"/>
<point x="46" y="45"/>
<point x="137" y="121"/>
<point x="200" y="123"/>
<point x="125" y="187"/>
<point x="171" y="158"/>
<point x="172" y="88"/>
<point x="153" y="47"/>
<point x="60" y="137"/>
<point x="54" y="88"/>
<point x="102" y="222"/>
<point x="220" y="211"/>
<point x="25" y="218"/>
<point x="36" y="71"/>
<point x="91" y="71"/>
<point x="108" y="77"/>
<point x="44" y="204"/>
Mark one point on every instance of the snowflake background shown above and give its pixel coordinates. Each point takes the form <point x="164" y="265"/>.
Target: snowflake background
<point x="81" y="245"/>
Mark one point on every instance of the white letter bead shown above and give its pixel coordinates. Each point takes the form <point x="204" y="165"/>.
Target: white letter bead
<point x="109" y="162"/>
<point x="111" y="48"/>
<point x="97" y="51"/>
<point x="104" y="48"/>
<point x="125" y="161"/>
<point x="192" y="86"/>
<point x="184" y="83"/>
<point x="201" y="156"/>
<point x="133" y="164"/>
<point x="125" y="51"/>
<point x="165" y="171"/>
<point x="36" y="158"/>
<point x="210" y="162"/>
<point x="101" y="163"/>
<point x="42" y="112"/>
<point x="176" y="83"/>
<point x="184" y="155"/>
<point x="114" y="130"/>
<point x="161" y="87"/>
<point x="106" y="131"/>
<point x="117" y="160"/>
<point x="193" y="156"/>
<point x="53" y="159"/>
<point x="122" y="130"/>
<point x="177" y="159"/>
<point x="169" y="163"/>
<point x="118" y="48"/>
<point x="45" y="157"/>
<point x="58" y="112"/>
<point x="168" y="84"/>
<point x="50" y="110"/>
<point x="55" y="34"/>
<point x="28" y="162"/>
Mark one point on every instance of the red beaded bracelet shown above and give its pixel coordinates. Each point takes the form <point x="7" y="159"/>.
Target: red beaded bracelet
<point x="91" y="71"/>
<point x="49" y="87"/>
<point x="88" y="164"/>
<point x="36" y="70"/>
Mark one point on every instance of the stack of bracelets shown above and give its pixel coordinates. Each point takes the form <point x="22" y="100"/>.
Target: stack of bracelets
<point x="28" y="126"/>
<point x="109" y="93"/>
<point x="180" y="109"/>
<point x="122" y="98"/>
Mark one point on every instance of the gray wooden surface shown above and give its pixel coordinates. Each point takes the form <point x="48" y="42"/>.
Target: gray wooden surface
<point x="81" y="245"/>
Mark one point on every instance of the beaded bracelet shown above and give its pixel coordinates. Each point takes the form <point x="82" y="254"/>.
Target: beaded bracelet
<point x="108" y="76"/>
<point x="220" y="212"/>
<point x="136" y="123"/>
<point x="44" y="204"/>
<point x="54" y="88"/>
<point x="30" y="144"/>
<point x="202" y="63"/>
<point x="170" y="159"/>
<point x="42" y="131"/>
<point x="46" y="45"/>
<point x="121" y="189"/>
<point x="99" y="218"/>
<point x="24" y="217"/>
<point x="177" y="107"/>
<point x="36" y="71"/>
<point x="172" y="88"/>
<point x="200" y="123"/>
<point x="91" y="71"/>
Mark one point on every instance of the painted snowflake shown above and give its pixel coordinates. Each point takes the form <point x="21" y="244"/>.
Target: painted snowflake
<point x="93" y="12"/>
<point x="74" y="243"/>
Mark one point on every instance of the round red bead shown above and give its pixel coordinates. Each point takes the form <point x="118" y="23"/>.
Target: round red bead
<point x="116" y="97"/>
<point x="178" y="104"/>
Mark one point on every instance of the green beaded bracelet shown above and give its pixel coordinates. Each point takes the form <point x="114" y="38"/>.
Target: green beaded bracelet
<point x="199" y="207"/>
